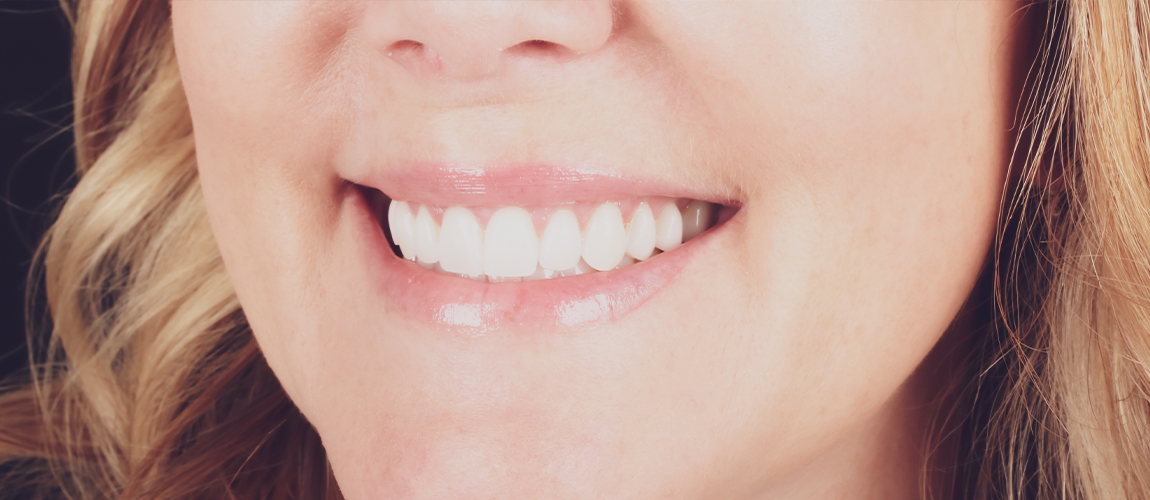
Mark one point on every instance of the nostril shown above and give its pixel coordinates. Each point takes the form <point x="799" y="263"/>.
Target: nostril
<point x="415" y="56"/>
<point x="537" y="48"/>
<point x="404" y="48"/>
<point x="539" y="44"/>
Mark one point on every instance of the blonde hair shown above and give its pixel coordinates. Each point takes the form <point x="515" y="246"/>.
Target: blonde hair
<point x="1072" y="415"/>
<point x="151" y="385"/>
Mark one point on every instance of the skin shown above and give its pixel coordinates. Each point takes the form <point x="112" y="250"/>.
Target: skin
<point x="866" y="143"/>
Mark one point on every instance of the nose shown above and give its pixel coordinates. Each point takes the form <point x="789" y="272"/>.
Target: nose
<point x="472" y="39"/>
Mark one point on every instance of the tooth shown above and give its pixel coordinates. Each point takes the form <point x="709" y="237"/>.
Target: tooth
<point x="510" y="248"/>
<point x="560" y="247"/>
<point x="697" y="216"/>
<point x="401" y="222"/>
<point x="669" y="228"/>
<point x="641" y="233"/>
<point x="426" y="237"/>
<point x="627" y="260"/>
<point x="461" y="242"/>
<point x="605" y="239"/>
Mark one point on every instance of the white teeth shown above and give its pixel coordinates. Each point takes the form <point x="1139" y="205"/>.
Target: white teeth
<point x="560" y="245"/>
<point x="461" y="242"/>
<point x="426" y="237"/>
<point x="511" y="248"/>
<point x="402" y="223"/>
<point x="669" y="228"/>
<point x="697" y="217"/>
<point x="641" y="233"/>
<point x="605" y="239"/>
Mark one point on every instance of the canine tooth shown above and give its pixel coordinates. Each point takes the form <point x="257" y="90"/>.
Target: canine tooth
<point x="461" y="242"/>
<point x="426" y="237"/>
<point x="697" y="217"/>
<point x="510" y="247"/>
<point x="560" y="247"/>
<point x="401" y="223"/>
<point x="669" y="228"/>
<point x="605" y="239"/>
<point x="641" y="233"/>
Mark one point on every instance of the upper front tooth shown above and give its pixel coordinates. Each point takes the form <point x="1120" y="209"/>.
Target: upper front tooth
<point x="669" y="228"/>
<point x="696" y="218"/>
<point x="641" y="233"/>
<point x="426" y="237"/>
<point x="461" y="242"/>
<point x="605" y="239"/>
<point x="511" y="248"/>
<point x="560" y="245"/>
<point x="401" y="222"/>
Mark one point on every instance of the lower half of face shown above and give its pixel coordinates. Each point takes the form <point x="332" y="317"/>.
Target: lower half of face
<point x="637" y="250"/>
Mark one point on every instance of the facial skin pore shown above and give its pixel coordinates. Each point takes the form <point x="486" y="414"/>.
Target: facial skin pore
<point x="863" y="143"/>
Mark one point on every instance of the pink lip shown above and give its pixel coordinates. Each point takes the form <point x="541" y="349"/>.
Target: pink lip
<point x="521" y="185"/>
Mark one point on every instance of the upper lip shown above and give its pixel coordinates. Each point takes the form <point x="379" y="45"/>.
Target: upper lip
<point x="518" y="185"/>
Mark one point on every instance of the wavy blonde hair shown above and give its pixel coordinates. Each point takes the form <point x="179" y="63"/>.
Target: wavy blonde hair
<point x="150" y="384"/>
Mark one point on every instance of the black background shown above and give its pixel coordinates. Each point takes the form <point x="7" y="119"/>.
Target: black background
<point x="35" y="150"/>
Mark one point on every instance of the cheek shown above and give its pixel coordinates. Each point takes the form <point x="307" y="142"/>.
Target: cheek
<point x="264" y="136"/>
<point x="873" y="141"/>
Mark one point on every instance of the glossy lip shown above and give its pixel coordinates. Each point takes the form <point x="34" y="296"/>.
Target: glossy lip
<point x="461" y="306"/>
<point x="516" y="185"/>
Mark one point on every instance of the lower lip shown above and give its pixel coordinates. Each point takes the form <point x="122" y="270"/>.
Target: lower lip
<point x="472" y="308"/>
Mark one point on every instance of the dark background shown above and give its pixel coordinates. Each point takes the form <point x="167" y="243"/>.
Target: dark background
<point x="35" y="150"/>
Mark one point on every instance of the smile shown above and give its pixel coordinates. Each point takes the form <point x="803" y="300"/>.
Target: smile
<point x="477" y="251"/>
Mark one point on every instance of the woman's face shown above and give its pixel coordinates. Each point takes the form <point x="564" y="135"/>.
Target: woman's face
<point x="855" y="153"/>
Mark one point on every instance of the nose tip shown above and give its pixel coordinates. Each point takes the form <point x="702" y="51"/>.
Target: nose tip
<point x="473" y="38"/>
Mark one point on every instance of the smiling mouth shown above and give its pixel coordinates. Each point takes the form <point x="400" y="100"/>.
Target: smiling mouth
<point x="481" y="250"/>
<point x="529" y="243"/>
